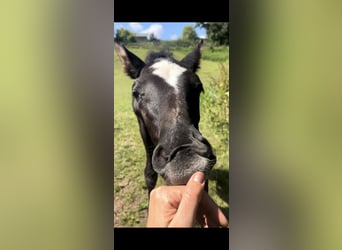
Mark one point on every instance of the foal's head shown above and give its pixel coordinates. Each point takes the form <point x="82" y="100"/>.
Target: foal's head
<point x="165" y="99"/>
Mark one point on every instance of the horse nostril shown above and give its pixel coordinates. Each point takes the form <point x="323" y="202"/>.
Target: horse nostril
<point x="212" y="156"/>
<point x="202" y="149"/>
<point x="159" y="158"/>
<point x="176" y="150"/>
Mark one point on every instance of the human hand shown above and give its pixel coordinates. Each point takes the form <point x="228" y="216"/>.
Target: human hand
<point x="182" y="206"/>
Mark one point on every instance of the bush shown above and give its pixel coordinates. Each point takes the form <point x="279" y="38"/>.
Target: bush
<point x="216" y="101"/>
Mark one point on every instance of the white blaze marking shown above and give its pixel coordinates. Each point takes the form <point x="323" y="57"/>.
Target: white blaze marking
<point x="169" y="71"/>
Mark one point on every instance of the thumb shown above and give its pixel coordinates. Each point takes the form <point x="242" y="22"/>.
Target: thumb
<point x="187" y="209"/>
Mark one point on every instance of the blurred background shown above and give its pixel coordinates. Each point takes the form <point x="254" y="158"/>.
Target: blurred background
<point x="56" y="125"/>
<point x="285" y="125"/>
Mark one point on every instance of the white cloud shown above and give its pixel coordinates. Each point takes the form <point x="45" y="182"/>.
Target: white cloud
<point x="118" y="26"/>
<point x="174" y="37"/>
<point x="155" y="29"/>
<point x="136" y="26"/>
<point x="201" y="33"/>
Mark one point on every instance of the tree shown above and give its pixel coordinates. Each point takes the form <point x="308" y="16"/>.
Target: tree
<point x="189" y="34"/>
<point x="218" y="33"/>
<point x="152" y="37"/>
<point x="124" y="36"/>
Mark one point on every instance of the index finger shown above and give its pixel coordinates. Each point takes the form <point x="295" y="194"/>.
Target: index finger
<point x="214" y="216"/>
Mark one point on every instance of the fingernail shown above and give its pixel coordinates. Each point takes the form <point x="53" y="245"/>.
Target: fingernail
<point x="199" y="177"/>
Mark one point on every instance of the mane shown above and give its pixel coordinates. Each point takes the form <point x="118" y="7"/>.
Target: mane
<point x="154" y="56"/>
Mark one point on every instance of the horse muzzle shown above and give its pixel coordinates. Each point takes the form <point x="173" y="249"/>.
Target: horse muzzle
<point x="176" y="161"/>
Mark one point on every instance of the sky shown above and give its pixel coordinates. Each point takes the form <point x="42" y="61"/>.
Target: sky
<point x="163" y="31"/>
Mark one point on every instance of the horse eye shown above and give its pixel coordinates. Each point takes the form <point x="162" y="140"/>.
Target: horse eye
<point x="135" y="93"/>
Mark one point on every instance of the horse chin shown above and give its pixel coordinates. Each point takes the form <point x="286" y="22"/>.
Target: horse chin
<point x="181" y="168"/>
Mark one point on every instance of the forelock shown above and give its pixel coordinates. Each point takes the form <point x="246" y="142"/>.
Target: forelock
<point x="152" y="57"/>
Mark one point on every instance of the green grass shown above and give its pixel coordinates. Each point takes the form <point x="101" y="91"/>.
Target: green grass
<point x="130" y="193"/>
<point x="220" y="54"/>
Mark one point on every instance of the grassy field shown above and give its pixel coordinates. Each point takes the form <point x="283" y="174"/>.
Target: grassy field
<point x="130" y="194"/>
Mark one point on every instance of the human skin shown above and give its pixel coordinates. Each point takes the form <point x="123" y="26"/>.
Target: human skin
<point x="183" y="206"/>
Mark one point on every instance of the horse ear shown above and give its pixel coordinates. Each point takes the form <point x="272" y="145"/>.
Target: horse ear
<point x="192" y="60"/>
<point x="131" y="63"/>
